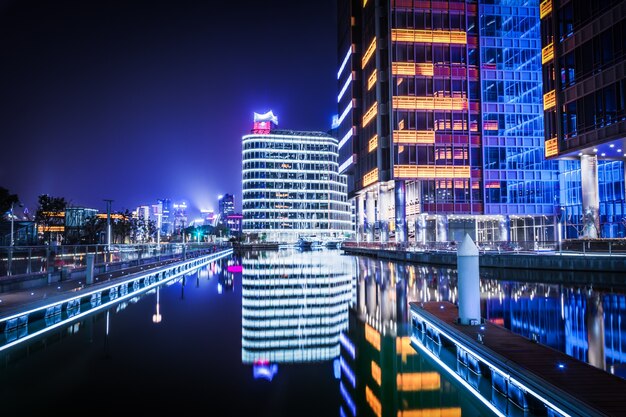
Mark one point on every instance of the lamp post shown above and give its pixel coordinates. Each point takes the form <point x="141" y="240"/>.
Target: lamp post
<point x="12" y="242"/>
<point x="108" y="224"/>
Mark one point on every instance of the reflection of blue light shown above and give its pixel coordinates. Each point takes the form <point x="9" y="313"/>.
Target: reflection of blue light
<point x="219" y="288"/>
<point x="341" y="412"/>
<point x="337" y="369"/>
<point x="348" y="372"/>
<point x="346" y="343"/>
<point x="266" y="372"/>
<point x="346" y="397"/>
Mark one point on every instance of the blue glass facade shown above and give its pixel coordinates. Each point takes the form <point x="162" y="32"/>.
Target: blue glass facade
<point x="518" y="181"/>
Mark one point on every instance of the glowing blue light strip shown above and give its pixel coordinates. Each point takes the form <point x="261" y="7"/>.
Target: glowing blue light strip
<point x="346" y="396"/>
<point x="345" y="112"/>
<point x="457" y="377"/>
<point x="346" y="164"/>
<point x="345" y="62"/>
<point x="210" y="258"/>
<point x="346" y="343"/>
<point x="343" y="90"/>
<point x="345" y="138"/>
<point x="347" y="371"/>
<point x="495" y="368"/>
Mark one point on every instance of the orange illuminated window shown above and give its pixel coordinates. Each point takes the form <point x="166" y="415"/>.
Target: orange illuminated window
<point x="552" y="147"/>
<point x="414" y="136"/>
<point x="490" y="125"/>
<point x="368" y="53"/>
<point x="371" y="334"/>
<point x="371" y="81"/>
<point x="431" y="171"/>
<point x="418" y="381"/>
<point x="373" y="143"/>
<point x="549" y="100"/>
<point x="428" y="36"/>
<point x="373" y="402"/>
<point x="448" y="125"/>
<point x="376" y="374"/>
<point x="547" y="53"/>
<point x="429" y="103"/>
<point x="370" y="114"/>
<point x="411" y="68"/>
<point x="431" y="412"/>
<point x="545" y="8"/>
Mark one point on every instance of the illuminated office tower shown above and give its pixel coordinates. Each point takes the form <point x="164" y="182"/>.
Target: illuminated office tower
<point x="584" y="103"/>
<point x="226" y="205"/>
<point x="290" y="184"/>
<point x="294" y="305"/>
<point x="423" y="143"/>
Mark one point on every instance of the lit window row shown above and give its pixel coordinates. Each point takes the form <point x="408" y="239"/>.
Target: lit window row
<point x="428" y="36"/>
<point x="373" y="143"/>
<point x="373" y="402"/>
<point x="418" y="381"/>
<point x="545" y="8"/>
<point x="414" y="136"/>
<point x="429" y="103"/>
<point x="371" y="177"/>
<point x="547" y="53"/>
<point x="412" y="68"/>
<point x="370" y="114"/>
<point x="368" y="53"/>
<point x="371" y="81"/>
<point x="430" y="171"/>
<point x="549" y="100"/>
<point x="552" y="147"/>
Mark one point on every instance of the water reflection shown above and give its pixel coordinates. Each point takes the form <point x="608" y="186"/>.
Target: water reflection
<point x="294" y="305"/>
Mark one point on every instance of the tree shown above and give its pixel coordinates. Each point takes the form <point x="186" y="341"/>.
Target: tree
<point x="92" y="228"/>
<point x="121" y="229"/>
<point x="6" y="200"/>
<point x="50" y="216"/>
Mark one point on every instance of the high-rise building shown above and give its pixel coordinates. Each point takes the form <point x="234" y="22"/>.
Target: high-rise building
<point x="584" y="103"/>
<point x="290" y="184"/>
<point x="166" y="220"/>
<point x="226" y="204"/>
<point x="440" y="120"/>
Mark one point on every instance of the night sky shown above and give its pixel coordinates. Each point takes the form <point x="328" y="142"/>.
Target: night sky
<point x="139" y="100"/>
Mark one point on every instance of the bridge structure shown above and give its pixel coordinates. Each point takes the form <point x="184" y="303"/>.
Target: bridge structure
<point x="29" y="313"/>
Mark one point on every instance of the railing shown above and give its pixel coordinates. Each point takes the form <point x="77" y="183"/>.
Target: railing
<point x="25" y="260"/>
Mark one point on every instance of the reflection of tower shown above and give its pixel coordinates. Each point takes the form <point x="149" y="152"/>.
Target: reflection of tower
<point x="294" y="305"/>
<point x="156" y="317"/>
<point x="595" y="331"/>
<point x="381" y="374"/>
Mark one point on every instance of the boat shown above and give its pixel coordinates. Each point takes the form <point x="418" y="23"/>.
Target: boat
<point x="308" y="242"/>
<point x="332" y="242"/>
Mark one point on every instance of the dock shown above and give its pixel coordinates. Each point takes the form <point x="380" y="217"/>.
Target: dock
<point x="516" y="370"/>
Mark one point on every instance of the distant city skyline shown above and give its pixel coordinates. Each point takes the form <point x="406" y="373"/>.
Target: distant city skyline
<point x="139" y="101"/>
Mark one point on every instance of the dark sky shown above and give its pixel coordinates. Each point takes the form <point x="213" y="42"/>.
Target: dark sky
<point x="139" y="100"/>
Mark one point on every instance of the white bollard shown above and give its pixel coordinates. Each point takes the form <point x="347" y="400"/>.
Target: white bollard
<point x="468" y="282"/>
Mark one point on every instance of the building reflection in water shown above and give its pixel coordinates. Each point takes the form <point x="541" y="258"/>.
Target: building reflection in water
<point x="294" y="306"/>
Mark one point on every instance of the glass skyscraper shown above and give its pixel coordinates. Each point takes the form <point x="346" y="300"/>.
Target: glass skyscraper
<point x="584" y="102"/>
<point x="440" y="120"/>
<point x="291" y="186"/>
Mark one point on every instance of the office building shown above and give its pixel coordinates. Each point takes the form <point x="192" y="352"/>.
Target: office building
<point x="226" y="204"/>
<point x="166" y="221"/>
<point x="290" y="184"/>
<point x="440" y="120"/>
<point x="584" y="102"/>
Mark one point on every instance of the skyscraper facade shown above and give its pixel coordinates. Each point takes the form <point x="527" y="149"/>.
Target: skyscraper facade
<point x="440" y="120"/>
<point x="290" y="184"/>
<point x="226" y="204"/>
<point x="584" y="103"/>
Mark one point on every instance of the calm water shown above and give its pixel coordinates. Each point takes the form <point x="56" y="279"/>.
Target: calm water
<point x="289" y="333"/>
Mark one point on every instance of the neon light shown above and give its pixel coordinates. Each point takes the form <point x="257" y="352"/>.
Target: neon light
<point x="368" y="53"/>
<point x="428" y="36"/>
<point x="346" y="164"/>
<point x="429" y="103"/>
<point x="372" y="336"/>
<point x="373" y="401"/>
<point x="412" y="68"/>
<point x="370" y="178"/>
<point x="549" y="100"/>
<point x="345" y="112"/>
<point x="345" y="61"/>
<point x="273" y="138"/>
<point x="347" y="398"/>
<point x="345" y="138"/>
<point x="545" y="8"/>
<point x="347" y="372"/>
<point x="343" y="90"/>
<point x="373" y="143"/>
<point x="547" y="53"/>
<point x="431" y="171"/>
<point x="370" y="114"/>
<point x="552" y="147"/>
<point x="347" y="344"/>
<point x="266" y="117"/>
<point x="376" y="373"/>
<point x="371" y="81"/>
<point x="414" y="136"/>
